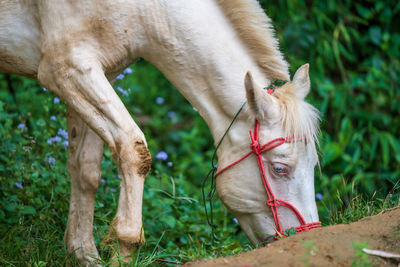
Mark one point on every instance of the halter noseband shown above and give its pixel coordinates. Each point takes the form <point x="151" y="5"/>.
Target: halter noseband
<point x="272" y="201"/>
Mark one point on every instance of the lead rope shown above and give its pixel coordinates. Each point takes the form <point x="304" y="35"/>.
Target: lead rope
<point x="210" y="194"/>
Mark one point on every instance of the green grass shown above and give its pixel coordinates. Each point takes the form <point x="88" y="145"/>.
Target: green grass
<point x="361" y="259"/>
<point x="36" y="240"/>
<point x="176" y="235"/>
<point x="361" y="206"/>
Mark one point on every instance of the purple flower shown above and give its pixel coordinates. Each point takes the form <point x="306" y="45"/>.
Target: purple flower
<point x="21" y="126"/>
<point x="51" y="160"/>
<point x="45" y="90"/>
<point x="63" y="133"/>
<point x="171" y="115"/>
<point x="318" y="196"/>
<point x="55" y="139"/>
<point x="65" y="144"/>
<point x="102" y="181"/>
<point x="170" y="163"/>
<point x="127" y="71"/>
<point x="53" y="118"/>
<point x="122" y="91"/>
<point x="162" y="155"/>
<point x="235" y="220"/>
<point x="120" y="77"/>
<point x="56" y="100"/>
<point x="119" y="176"/>
<point x="159" y="100"/>
<point x="19" y="185"/>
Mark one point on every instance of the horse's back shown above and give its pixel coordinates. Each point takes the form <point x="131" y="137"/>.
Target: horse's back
<point x="108" y="31"/>
<point x="32" y="30"/>
<point x="19" y="38"/>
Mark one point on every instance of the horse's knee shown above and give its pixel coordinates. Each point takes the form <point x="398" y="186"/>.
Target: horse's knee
<point x="84" y="165"/>
<point x="133" y="155"/>
<point x="87" y="174"/>
<point x="144" y="157"/>
<point x="90" y="177"/>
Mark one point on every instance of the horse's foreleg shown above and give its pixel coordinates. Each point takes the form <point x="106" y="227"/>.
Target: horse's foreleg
<point x="85" y="152"/>
<point x="81" y="83"/>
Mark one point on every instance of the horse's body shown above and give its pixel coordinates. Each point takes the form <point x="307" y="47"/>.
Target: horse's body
<point x="204" y="47"/>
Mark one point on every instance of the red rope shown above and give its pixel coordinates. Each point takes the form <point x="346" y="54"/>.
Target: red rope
<point x="272" y="202"/>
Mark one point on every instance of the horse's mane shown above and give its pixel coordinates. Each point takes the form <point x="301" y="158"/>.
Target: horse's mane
<point x="255" y="29"/>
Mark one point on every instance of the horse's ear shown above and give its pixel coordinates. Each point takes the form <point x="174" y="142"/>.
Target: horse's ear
<point x="301" y="81"/>
<point x="260" y="103"/>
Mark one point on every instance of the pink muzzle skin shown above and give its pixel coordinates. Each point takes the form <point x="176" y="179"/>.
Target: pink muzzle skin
<point x="272" y="201"/>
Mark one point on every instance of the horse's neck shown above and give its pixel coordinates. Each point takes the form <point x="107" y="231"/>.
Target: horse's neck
<point x="196" y="48"/>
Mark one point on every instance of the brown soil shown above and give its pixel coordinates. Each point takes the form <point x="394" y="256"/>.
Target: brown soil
<point x="329" y="246"/>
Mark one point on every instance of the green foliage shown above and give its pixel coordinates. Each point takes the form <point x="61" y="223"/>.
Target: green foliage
<point x="312" y="249"/>
<point x="363" y="206"/>
<point x="353" y="49"/>
<point x="290" y="231"/>
<point x="360" y="258"/>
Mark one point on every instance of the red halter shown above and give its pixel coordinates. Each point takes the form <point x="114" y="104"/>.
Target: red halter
<point x="273" y="202"/>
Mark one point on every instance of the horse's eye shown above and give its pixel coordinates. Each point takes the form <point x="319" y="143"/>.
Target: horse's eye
<point x="280" y="169"/>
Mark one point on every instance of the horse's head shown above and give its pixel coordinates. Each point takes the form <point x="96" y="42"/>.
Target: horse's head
<point x="284" y="156"/>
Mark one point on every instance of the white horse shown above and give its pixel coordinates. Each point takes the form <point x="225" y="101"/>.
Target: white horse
<point x="205" y="48"/>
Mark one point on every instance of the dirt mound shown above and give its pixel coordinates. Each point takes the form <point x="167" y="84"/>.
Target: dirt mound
<point x="329" y="246"/>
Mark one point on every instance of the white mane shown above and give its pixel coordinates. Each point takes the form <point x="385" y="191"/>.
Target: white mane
<point x="299" y="118"/>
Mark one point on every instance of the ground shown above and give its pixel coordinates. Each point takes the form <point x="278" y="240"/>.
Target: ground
<point x="336" y="245"/>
